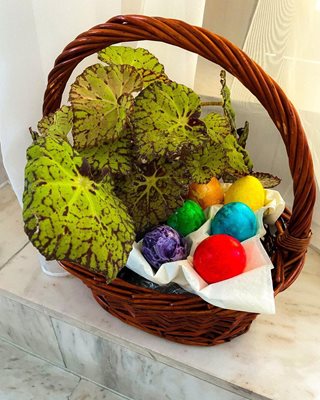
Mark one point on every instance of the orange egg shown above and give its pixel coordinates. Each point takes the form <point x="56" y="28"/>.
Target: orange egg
<point x="206" y="194"/>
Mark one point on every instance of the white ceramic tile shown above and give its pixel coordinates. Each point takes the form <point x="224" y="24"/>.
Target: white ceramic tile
<point x="127" y="372"/>
<point x="89" y="391"/>
<point x="283" y="346"/>
<point x="24" y="377"/>
<point x="12" y="235"/>
<point x="30" y="329"/>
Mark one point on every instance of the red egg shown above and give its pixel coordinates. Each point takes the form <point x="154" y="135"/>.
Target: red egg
<point x="219" y="257"/>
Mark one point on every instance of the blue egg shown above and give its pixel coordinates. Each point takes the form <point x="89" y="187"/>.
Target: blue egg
<point x="235" y="219"/>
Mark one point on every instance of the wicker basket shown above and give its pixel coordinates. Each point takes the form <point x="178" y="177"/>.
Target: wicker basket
<point x="186" y="318"/>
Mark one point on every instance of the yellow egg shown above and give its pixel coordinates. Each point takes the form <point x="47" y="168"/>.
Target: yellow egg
<point x="248" y="190"/>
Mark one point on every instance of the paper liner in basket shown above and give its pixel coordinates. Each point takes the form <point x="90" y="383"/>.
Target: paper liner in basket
<point x="251" y="291"/>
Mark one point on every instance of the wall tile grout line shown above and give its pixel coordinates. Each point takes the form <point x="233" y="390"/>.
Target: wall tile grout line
<point x="55" y="335"/>
<point x="74" y="389"/>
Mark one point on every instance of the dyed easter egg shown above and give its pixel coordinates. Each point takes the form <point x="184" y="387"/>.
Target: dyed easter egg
<point x="206" y="194"/>
<point x="235" y="219"/>
<point x="187" y="218"/>
<point x="219" y="257"/>
<point x="163" y="244"/>
<point x="248" y="190"/>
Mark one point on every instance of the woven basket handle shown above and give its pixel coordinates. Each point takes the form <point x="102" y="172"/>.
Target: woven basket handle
<point x="220" y="51"/>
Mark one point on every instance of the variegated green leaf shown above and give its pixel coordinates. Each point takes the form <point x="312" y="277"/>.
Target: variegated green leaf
<point x="243" y="134"/>
<point x="58" y="123"/>
<point x="102" y="102"/>
<point x="69" y="216"/>
<point x="152" y="192"/>
<point x="145" y="63"/>
<point x="224" y="155"/>
<point x="114" y="158"/>
<point x="217" y="126"/>
<point x="166" y="121"/>
<point x="227" y="107"/>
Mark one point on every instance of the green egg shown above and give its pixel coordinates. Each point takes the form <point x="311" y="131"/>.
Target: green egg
<point x="187" y="218"/>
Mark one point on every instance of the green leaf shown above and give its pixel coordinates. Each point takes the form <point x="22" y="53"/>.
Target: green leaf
<point x="145" y="63"/>
<point x="152" y="192"/>
<point x="227" y="107"/>
<point x="102" y="102"/>
<point x="243" y="134"/>
<point x="113" y="158"/>
<point x="166" y="121"/>
<point x="237" y="157"/>
<point x="221" y="156"/>
<point x="217" y="126"/>
<point x="68" y="216"/>
<point x="58" y="123"/>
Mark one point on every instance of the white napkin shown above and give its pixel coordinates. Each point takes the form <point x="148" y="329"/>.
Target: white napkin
<point x="251" y="291"/>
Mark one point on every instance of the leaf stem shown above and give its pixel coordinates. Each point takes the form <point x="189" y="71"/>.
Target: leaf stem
<point x="211" y="103"/>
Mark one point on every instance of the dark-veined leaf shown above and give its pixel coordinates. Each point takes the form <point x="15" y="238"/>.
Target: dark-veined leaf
<point x="102" y="102"/>
<point x="227" y="107"/>
<point x="58" y="123"/>
<point x="145" y="63"/>
<point x="114" y="158"/>
<point x="166" y="121"/>
<point x="152" y="192"/>
<point x="68" y="216"/>
<point x="217" y="126"/>
<point x="243" y="134"/>
<point x="223" y="155"/>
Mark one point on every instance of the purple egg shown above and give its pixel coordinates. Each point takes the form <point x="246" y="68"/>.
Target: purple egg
<point x="163" y="244"/>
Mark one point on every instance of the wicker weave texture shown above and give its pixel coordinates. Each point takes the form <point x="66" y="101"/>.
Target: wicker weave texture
<point x="200" y="324"/>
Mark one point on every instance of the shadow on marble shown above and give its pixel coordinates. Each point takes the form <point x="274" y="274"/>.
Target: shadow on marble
<point x="29" y="329"/>
<point x="13" y="237"/>
<point x="24" y="377"/>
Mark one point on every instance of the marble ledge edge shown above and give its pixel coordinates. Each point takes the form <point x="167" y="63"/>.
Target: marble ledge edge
<point x="154" y="355"/>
